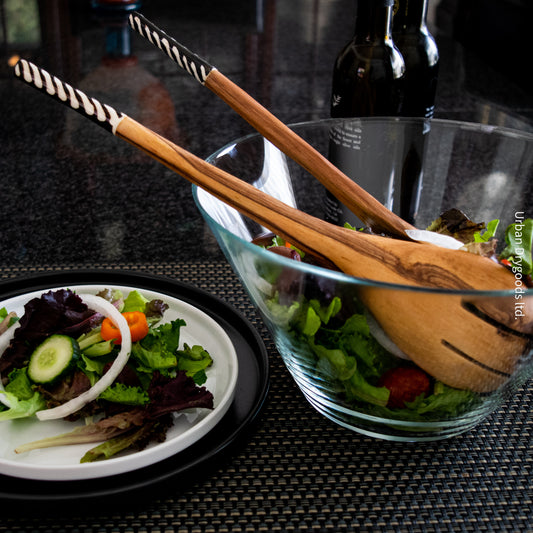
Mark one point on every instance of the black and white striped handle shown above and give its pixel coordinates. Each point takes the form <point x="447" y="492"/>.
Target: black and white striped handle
<point x="193" y="64"/>
<point x="102" y="114"/>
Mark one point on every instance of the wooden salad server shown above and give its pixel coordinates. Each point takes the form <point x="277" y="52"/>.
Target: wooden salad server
<point x="454" y="343"/>
<point x="373" y="213"/>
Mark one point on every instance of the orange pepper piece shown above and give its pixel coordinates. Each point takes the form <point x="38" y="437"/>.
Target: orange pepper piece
<point x="137" y="324"/>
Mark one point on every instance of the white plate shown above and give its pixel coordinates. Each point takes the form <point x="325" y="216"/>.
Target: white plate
<point x="63" y="463"/>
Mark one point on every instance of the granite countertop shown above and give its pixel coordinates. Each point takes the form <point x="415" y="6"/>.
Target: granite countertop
<point x="74" y="193"/>
<point x="73" y="196"/>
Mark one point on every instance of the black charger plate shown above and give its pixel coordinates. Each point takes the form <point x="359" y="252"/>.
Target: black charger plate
<point x="184" y="468"/>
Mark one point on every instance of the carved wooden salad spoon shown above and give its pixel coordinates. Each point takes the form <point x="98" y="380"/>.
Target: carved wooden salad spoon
<point x="455" y="344"/>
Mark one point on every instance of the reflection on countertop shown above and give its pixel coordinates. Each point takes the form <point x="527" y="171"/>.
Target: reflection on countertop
<point x="71" y="193"/>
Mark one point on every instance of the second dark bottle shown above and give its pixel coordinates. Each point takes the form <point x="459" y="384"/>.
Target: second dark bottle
<point x="421" y="57"/>
<point x="420" y="54"/>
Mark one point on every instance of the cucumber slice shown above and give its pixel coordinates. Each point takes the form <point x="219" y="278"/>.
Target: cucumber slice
<point x="52" y="358"/>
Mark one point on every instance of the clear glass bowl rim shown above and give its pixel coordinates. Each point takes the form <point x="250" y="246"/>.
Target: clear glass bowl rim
<point x="340" y="276"/>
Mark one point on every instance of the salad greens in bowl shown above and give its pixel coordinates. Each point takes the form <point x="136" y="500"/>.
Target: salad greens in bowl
<point x="469" y="181"/>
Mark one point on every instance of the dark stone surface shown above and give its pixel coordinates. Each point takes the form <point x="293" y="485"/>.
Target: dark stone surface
<point x="71" y="192"/>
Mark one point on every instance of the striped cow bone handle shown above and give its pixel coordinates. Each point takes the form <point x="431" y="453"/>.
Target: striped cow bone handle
<point x="193" y="64"/>
<point x="101" y="114"/>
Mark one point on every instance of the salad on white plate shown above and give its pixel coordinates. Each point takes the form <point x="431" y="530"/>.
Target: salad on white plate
<point x="112" y="367"/>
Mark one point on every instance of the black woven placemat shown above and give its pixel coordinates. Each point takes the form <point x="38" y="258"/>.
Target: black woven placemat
<point x="299" y="472"/>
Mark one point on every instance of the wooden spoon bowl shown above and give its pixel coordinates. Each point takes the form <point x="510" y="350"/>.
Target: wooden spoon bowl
<point x="449" y="338"/>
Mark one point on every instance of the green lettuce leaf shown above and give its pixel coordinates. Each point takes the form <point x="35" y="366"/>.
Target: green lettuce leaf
<point x="135" y="301"/>
<point x="282" y="314"/>
<point x="445" y="401"/>
<point x="326" y="312"/>
<point x="92" y="366"/>
<point x="308" y="322"/>
<point x="19" y="384"/>
<point x="194" y="361"/>
<point x="519" y="239"/>
<point x="358" y="388"/>
<point x="157" y="351"/>
<point x="123" y="394"/>
<point x="490" y="232"/>
<point x="24" y="401"/>
<point x="22" y="408"/>
<point x="342" y="366"/>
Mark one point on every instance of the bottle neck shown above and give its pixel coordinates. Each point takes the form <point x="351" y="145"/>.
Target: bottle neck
<point x="118" y="43"/>
<point x="374" y="20"/>
<point x="113" y="16"/>
<point x="409" y="15"/>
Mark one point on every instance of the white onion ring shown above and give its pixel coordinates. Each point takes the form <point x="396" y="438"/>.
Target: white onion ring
<point x="102" y="306"/>
<point x="439" y="239"/>
<point x="382" y="338"/>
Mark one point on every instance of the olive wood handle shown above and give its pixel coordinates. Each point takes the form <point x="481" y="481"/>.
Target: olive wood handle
<point x="363" y="204"/>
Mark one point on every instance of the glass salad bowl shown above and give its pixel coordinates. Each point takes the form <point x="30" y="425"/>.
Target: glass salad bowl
<point x="458" y="177"/>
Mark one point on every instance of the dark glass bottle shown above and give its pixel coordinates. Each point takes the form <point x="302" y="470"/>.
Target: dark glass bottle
<point x="421" y="56"/>
<point x="369" y="70"/>
<point x="367" y="81"/>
